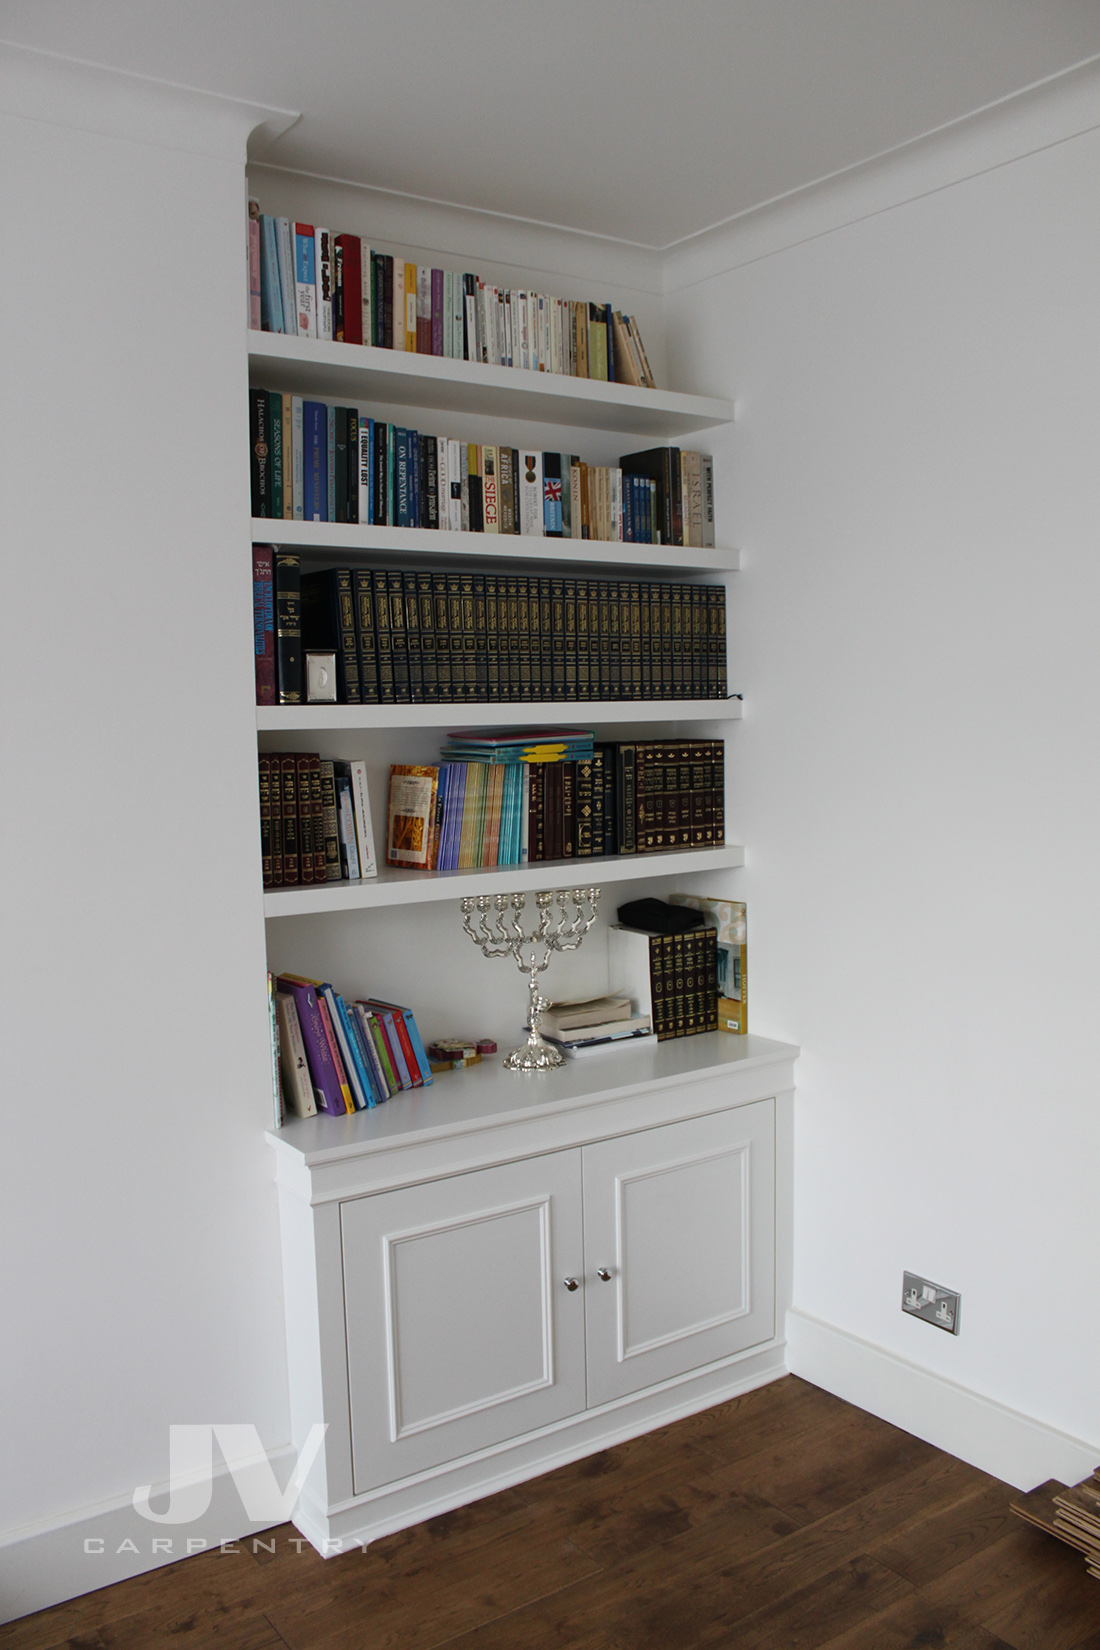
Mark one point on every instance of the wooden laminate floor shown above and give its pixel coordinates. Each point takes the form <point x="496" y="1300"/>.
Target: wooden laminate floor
<point x="784" y="1518"/>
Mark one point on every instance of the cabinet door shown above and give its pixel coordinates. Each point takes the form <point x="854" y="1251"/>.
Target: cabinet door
<point x="460" y="1330"/>
<point x="682" y="1220"/>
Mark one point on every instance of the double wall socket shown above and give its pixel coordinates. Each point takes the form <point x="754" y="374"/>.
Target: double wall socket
<point x="922" y="1299"/>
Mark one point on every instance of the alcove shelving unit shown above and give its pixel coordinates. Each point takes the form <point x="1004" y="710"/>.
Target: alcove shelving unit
<point x="503" y="1272"/>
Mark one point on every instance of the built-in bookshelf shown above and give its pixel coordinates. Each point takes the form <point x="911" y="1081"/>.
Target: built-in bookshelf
<point x="381" y="378"/>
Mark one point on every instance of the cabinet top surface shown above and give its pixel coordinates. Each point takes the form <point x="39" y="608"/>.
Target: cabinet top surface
<point x="314" y="366"/>
<point x="484" y="1096"/>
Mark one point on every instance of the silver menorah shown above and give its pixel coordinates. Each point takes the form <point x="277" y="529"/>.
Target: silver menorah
<point x="506" y="938"/>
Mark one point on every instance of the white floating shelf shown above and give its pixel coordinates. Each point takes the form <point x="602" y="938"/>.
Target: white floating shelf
<point x="294" y="718"/>
<point x="589" y="554"/>
<point x="394" y="887"/>
<point x="361" y="372"/>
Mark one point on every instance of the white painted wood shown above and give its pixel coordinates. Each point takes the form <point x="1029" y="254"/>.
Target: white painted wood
<point x="397" y="886"/>
<point x="441" y="1342"/>
<point x="682" y="1219"/>
<point x="460" y="1331"/>
<point x="310" y="366"/>
<point x="291" y="718"/>
<point x="992" y="1436"/>
<point x="398" y="542"/>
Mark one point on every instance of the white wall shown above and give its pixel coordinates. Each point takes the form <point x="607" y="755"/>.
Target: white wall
<point x="141" y="1279"/>
<point x="914" y="484"/>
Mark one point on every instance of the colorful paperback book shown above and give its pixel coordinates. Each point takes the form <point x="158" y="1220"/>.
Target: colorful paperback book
<point x="271" y="292"/>
<point x="366" y="1040"/>
<point x="284" y="248"/>
<point x="357" y="1037"/>
<point x="293" y="1061"/>
<point x="411" y="815"/>
<point x="345" y="1058"/>
<point x="323" y="277"/>
<point x="531" y="507"/>
<point x="314" y="461"/>
<point x="305" y="280"/>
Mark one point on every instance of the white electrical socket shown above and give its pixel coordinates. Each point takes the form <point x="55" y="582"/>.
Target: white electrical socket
<point x="931" y="1303"/>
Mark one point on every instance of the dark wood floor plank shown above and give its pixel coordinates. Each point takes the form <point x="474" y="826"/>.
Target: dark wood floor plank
<point x="1028" y="1590"/>
<point x="914" y="1624"/>
<point x="947" y="1534"/>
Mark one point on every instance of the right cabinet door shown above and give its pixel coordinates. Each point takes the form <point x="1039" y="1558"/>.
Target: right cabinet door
<point x="681" y="1219"/>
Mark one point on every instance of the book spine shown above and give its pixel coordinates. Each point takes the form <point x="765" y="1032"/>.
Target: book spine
<point x="259" y="452"/>
<point x="345" y="825"/>
<point x="350" y="250"/>
<point x="288" y="628"/>
<point x="363" y="591"/>
<point x="271" y="295"/>
<point x="263" y="622"/>
<point x="306" y="863"/>
<point x="435" y="314"/>
<point x="322" y="257"/>
<point x="264" y="769"/>
<point x="305" y="282"/>
<point x="398" y="645"/>
<point x="255" y="285"/>
<point x="284" y="243"/>
<point x="329" y="832"/>
<point x="354" y="1100"/>
<point x="329" y="510"/>
<point x="412" y="639"/>
<point x="288" y="792"/>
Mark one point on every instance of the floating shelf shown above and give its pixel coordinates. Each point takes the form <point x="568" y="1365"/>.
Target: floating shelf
<point x="487" y="1096"/>
<point x="396" y="887"/>
<point x="361" y="372"/>
<point x="338" y="538"/>
<point x="294" y="718"/>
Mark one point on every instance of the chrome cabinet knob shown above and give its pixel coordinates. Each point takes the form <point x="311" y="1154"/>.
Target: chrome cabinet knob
<point x="603" y="1274"/>
<point x="571" y="1284"/>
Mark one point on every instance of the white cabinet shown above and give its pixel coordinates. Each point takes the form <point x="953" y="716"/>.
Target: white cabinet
<point x="449" y="1317"/>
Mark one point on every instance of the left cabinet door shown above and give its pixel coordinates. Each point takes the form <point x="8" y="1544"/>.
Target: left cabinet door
<point x="461" y="1330"/>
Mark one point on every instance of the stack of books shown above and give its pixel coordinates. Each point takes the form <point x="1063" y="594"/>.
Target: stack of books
<point x="337" y="1056"/>
<point x="582" y="1027"/>
<point x="1071" y="1513"/>
<point x="463" y="637"/>
<point x="304" y="280"/>
<point x="315" y="823"/>
<point x="506" y="808"/>
<point x="671" y="977"/>
<point x="311" y="461"/>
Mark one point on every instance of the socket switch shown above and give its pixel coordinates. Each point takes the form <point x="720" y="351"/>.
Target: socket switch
<point x="930" y="1302"/>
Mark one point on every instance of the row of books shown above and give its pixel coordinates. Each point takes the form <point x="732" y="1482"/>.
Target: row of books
<point x="403" y="636"/>
<point x="313" y="461"/>
<point x="338" y="1056"/>
<point x="306" y="281"/>
<point x="630" y="797"/>
<point x="315" y="822"/>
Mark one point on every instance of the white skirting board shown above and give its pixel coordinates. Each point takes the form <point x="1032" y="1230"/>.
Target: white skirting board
<point x="998" y="1440"/>
<point x="49" y="1562"/>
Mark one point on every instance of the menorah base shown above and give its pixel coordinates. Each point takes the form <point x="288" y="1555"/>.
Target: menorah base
<point x="534" y="1055"/>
